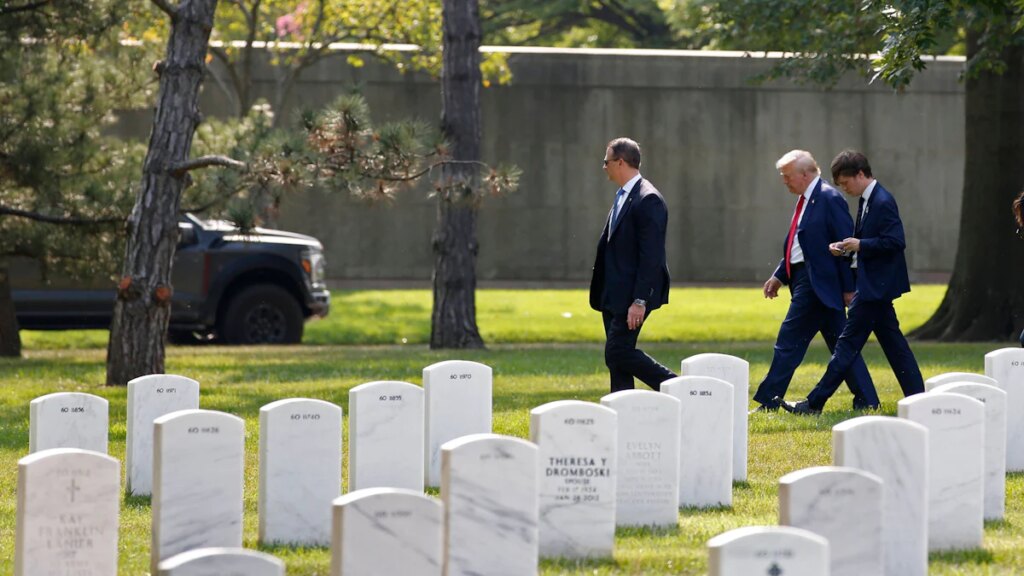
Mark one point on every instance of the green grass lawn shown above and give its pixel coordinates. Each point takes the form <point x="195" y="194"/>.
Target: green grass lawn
<point x="538" y="356"/>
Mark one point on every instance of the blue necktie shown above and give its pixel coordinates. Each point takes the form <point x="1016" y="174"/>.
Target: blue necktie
<point x="615" y="208"/>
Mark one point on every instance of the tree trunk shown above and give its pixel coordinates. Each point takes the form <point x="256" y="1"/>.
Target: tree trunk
<point x="143" y="305"/>
<point x="10" y="339"/>
<point x="453" y="324"/>
<point x="985" y="298"/>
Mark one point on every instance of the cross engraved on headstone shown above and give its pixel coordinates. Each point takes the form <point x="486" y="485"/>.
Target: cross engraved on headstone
<point x="775" y="570"/>
<point x="72" y="489"/>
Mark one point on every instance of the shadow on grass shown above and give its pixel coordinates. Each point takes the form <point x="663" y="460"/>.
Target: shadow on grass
<point x="278" y="547"/>
<point x="742" y="486"/>
<point x="137" y="501"/>
<point x="696" y="510"/>
<point x="998" y="524"/>
<point x="961" y="557"/>
<point x="579" y="565"/>
<point x="645" y="531"/>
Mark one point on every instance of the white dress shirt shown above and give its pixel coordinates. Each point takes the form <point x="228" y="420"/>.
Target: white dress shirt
<point x="622" y="199"/>
<point x="796" y="254"/>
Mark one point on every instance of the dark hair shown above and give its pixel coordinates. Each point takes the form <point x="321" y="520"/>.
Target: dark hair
<point x="626" y="150"/>
<point x="1018" y="209"/>
<point x="848" y="163"/>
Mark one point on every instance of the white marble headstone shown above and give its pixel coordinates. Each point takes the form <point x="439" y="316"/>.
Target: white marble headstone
<point x="895" y="450"/>
<point x="735" y="371"/>
<point x="995" y="441"/>
<point x="705" y="441"/>
<point x="66" y="518"/>
<point x="150" y="397"/>
<point x="387" y="531"/>
<point x="1006" y="366"/>
<point x="457" y="402"/>
<point x="489" y="488"/>
<point x="222" y="562"/>
<point x="300" y="471"/>
<point x="956" y="455"/>
<point x="647" y="483"/>
<point x="68" y="420"/>
<point x="769" y="550"/>
<point x="577" y="445"/>
<point x="385" y="436"/>
<point x="843" y="505"/>
<point x="947" y="377"/>
<point x="198" y="472"/>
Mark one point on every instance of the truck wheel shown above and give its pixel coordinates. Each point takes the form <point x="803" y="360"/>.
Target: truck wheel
<point x="262" y="314"/>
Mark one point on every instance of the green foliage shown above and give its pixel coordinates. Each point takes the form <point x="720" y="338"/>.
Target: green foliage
<point x="577" y="23"/>
<point x="885" y="40"/>
<point x="293" y="35"/>
<point x="346" y="151"/>
<point x="63" y="77"/>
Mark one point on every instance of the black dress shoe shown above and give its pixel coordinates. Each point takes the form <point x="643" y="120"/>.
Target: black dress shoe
<point x="765" y="408"/>
<point x="802" y="407"/>
<point x="866" y="407"/>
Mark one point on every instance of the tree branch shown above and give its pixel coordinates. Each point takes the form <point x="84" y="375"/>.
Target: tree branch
<point x="423" y="172"/>
<point x="5" y="10"/>
<point x="8" y="211"/>
<point x="180" y="170"/>
<point x="166" y="8"/>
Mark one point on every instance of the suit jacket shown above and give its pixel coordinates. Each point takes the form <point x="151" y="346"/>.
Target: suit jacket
<point x="630" y="261"/>
<point x="881" y="264"/>
<point x="826" y="219"/>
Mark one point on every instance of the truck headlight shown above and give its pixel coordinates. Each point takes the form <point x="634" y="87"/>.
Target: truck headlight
<point x="313" y="264"/>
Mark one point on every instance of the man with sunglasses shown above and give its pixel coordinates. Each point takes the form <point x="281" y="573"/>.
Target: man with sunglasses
<point x="630" y="277"/>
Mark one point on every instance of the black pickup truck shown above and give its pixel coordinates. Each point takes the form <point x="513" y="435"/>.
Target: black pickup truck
<point x="229" y="287"/>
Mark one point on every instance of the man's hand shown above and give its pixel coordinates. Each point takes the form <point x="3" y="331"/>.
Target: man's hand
<point x="850" y="245"/>
<point x="848" y="297"/>
<point x="771" y="287"/>
<point x="635" y="316"/>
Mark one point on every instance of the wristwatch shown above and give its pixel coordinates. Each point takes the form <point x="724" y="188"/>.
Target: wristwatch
<point x="640" y="302"/>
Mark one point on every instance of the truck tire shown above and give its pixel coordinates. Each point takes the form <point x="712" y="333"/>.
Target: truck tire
<point x="262" y="314"/>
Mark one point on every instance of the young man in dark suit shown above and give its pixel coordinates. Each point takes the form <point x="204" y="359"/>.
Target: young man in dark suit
<point x="820" y="285"/>
<point x="877" y="248"/>
<point x="630" y="277"/>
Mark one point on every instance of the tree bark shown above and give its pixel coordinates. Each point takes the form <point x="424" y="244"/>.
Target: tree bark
<point x="10" y="338"/>
<point x="985" y="298"/>
<point x="453" y="323"/>
<point x="143" y="305"/>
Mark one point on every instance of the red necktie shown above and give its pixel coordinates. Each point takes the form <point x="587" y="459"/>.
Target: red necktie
<point x="792" y="233"/>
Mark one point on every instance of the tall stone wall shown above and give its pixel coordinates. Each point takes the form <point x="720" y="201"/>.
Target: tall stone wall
<point x="710" y="139"/>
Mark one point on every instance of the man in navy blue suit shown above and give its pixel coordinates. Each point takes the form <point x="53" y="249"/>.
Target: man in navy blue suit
<point x="820" y="285"/>
<point x="630" y="277"/>
<point x="877" y="248"/>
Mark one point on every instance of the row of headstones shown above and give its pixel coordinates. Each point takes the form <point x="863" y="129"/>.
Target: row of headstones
<point x="199" y="462"/>
<point x="925" y="481"/>
<point x="455" y="401"/>
<point x="583" y="495"/>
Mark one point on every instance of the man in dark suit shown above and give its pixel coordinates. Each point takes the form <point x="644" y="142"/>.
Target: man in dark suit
<point x="877" y="248"/>
<point x="820" y="285"/>
<point x="630" y="274"/>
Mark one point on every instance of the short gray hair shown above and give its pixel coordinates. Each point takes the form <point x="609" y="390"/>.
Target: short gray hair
<point x="801" y="159"/>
